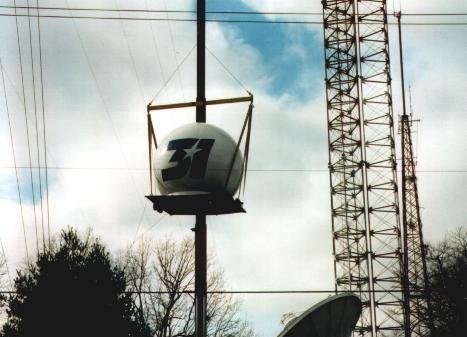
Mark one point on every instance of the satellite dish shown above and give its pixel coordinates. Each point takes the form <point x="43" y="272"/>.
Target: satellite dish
<point x="336" y="316"/>
<point x="198" y="158"/>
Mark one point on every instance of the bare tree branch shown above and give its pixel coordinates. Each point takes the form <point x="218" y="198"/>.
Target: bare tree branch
<point x="168" y="267"/>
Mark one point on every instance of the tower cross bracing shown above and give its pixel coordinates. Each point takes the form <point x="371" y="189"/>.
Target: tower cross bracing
<point x="416" y="288"/>
<point x="362" y="162"/>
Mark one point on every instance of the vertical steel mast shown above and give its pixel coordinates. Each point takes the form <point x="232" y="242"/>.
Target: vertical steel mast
<point x="416" y="301"/>
<point x="362" y="162"/>
<point x="211" y="199"/>
<point x="200" y="226"/>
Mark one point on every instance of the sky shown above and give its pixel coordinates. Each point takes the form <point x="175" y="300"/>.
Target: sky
<point x="99" y="75"/>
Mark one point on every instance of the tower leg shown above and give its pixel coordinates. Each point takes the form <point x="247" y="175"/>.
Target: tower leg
<point x="200" y="276"/>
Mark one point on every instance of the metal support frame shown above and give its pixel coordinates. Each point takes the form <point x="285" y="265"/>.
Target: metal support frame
<point x="201" y="103"/>
<point x="152" y="139"/>
<point x="362" y="162"/>
<point x="416" y="299"/>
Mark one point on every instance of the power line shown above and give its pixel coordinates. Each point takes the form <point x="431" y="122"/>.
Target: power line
<point x="156" y="48"/>
<point x="223" y="20"/>
<point x="228" y="70"/>
<point x="285" y="292"/>
<point x="13" y="88"/>
<point x="27" y="127"/>
<point x="246" y="292"/>
<point x="14" y="162"/>
<point x="173" y="74"/>
<point x="207" y="12"/>
<point x="141" y="94"/>
<point x="172" y="41"/>
<point x="133" y="63"/>
<point x="43" y="124"/>
<point x="140" y="235"/>
<point x="36" y="127"/>
<point x="104" y="103"/>
<point x="140" y="221"/>
<point x="82" y="168"/>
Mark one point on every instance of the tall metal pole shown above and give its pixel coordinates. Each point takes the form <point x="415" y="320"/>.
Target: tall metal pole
<point x="405" y="276"/>
<point x="200" y="276"/>
<point x="401" y="60"/>
<point x="200" y="226"/>
<point x="201" y="62"/>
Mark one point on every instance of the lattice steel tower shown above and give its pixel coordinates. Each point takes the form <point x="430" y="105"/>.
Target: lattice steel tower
<point x="416" y="299"/>
<point x="415" y="272"/>
<point x="362" y="162"/>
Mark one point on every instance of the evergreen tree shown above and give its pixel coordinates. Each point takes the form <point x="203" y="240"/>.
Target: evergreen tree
<point x="73" y="289"/>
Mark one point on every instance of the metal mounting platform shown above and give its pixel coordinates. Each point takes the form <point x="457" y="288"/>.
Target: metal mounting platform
<point x="192" y="204"/>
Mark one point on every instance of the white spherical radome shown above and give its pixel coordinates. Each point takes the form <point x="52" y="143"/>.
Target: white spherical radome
<point x="196" y="158"/>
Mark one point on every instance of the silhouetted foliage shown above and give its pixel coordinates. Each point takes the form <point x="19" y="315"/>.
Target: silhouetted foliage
<point x="72" y="290"/>
<point x="447" y="274"/>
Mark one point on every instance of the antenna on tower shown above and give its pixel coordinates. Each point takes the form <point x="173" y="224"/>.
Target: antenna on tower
<point x="410" y="102"/>
<point x="415" y="279"/>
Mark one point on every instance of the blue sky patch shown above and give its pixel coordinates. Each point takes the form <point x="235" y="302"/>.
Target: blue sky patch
<point x="292" y="54"/>
<point x="9" y="189"/>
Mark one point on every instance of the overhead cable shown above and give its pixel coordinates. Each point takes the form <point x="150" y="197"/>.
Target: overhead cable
<point x="173" y="74"/>
<point x="228" y="71"/>
<point x="27" y="128"/>
<point x="304" y="22"/>
<point x="43" y="125"/>
<point x="110" y="10"/>
<point x="245" y="292"/>
<point x="172" y="41"/>
<point x="36" y="127"/>
<point x="285" y="170"/>
<point x="130" y="53"/>
<point x="14" y="162"/>
<point x="156" y="48"/>
<point x="104" y="103"/>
